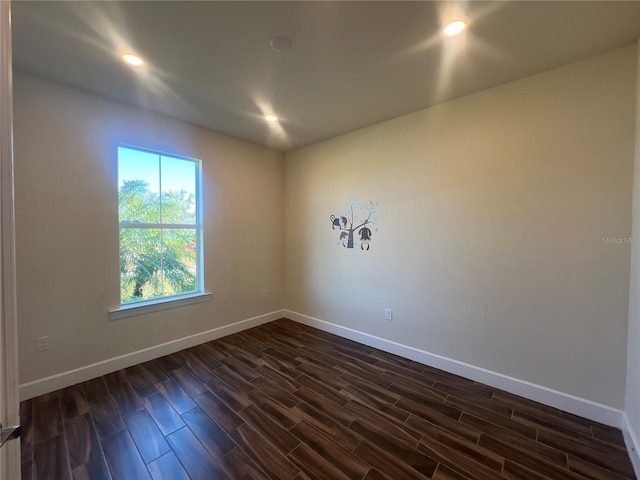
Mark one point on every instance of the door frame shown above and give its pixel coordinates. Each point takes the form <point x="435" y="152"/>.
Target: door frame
<point x="9" y="397"/>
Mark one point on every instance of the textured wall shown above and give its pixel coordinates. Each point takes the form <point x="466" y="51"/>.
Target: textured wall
<point x="492" y="213"/>
<point x="67" y="226"/>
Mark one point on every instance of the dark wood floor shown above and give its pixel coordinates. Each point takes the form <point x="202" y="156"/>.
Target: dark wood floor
<point x="287" y="401"/>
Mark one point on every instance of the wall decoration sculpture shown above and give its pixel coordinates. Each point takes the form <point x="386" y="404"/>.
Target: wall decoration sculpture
<point x="355" y="224"/>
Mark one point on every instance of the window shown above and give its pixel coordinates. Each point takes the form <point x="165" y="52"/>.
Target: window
<point x="160" y="225"/>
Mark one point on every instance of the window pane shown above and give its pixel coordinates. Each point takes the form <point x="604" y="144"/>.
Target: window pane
<point x="138" y="186"/>
<point x="141" y="264"/>
<point x="179" y="267"/>
<point x="178" y="191"/>
<point x="158" y="191"/>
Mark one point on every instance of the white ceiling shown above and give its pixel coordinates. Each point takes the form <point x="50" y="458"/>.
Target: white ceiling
<point x="351" y="64"/>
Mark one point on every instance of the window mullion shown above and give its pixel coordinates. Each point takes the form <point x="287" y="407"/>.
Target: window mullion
<point x="160" y="189"/>
<point x="162" y="249"/>
<point x="162" y="254"/>
<point x="159" y="225"/>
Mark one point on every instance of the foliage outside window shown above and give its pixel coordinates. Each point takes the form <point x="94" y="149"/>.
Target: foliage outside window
<point x="160" y="226"/>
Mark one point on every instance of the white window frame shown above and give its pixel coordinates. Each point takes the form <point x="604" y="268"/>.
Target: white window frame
<point x="169" y="301"/>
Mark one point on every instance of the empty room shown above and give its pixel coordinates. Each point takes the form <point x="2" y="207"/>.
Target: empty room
<point x="319" y="240"/>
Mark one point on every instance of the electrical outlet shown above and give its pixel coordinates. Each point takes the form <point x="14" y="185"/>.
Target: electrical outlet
<point x="388" y="314"/>
<point x="265" y="294"/>
<point x="42" y="343"/>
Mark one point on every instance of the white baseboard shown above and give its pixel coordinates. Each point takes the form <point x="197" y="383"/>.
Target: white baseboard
<point x="71" y="377"/>
<point x="633" y="445"/>
<point x="570" y="403"/>
<point x="564" y="401"/>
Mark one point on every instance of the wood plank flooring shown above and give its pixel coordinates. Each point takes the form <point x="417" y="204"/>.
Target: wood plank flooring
<point x="286" y="401"/>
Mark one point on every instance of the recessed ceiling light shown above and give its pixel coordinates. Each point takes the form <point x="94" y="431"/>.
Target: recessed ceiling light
<point x="132" y="59"/>
<point x="271" y="118"/>
<point x="454" y="28"/>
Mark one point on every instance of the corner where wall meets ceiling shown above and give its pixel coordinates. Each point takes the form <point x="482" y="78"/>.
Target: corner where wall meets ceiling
<point x="348" y="64"/>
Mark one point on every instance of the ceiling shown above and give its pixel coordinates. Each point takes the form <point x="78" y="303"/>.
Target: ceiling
<point x="351" y="64"/>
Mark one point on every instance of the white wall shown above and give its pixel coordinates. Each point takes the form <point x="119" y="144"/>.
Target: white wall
<point x="492" y="212"/>
<point x="67" y="226"/>
<point x="632" y="403"/>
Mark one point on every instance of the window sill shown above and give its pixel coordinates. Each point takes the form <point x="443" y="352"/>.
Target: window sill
<point x="156" y="305"/>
